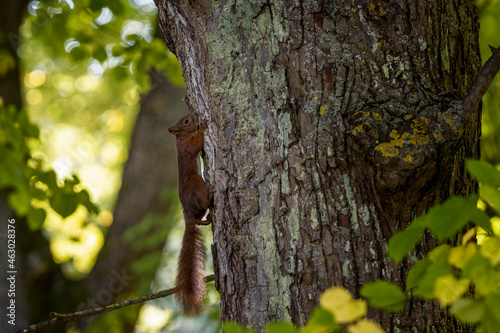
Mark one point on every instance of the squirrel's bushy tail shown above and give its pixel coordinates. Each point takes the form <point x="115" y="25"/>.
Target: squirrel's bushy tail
<point x="190" y="282"/>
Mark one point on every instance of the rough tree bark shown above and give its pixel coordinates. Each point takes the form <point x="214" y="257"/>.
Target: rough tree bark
<point x="331" y="125"/>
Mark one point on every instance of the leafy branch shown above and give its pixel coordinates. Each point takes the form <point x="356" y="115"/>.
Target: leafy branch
<point x="61" y="317"/>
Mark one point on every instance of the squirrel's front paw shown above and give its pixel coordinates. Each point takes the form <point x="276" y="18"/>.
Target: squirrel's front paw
<point x="203" y="123"/>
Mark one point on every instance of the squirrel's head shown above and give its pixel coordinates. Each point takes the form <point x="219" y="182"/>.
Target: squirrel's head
<point x="185" y="127"/>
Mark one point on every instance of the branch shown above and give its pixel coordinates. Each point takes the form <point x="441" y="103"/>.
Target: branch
<point x="60" y="317"/>
<point x="482" y="81"/>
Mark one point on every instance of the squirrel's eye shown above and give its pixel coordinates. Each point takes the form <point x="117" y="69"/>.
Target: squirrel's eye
<point x="186" y="121"/>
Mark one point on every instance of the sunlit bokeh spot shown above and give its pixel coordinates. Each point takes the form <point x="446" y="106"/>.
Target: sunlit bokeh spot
<point x="95" y="176"/>
<point x="34" y="79"/>
<point x="152" y="318"/>
<point x="112" y="152"/>
<point x="114" y="121"/>
<point x="105" y="218"/>
<point x="33" y="96"/>
<point x="78" y="102"/>
<point x="131" y="96"/>
<point x="87" y="83"/>
<point x="66" y="88"/>
<point x="495" y="224"/>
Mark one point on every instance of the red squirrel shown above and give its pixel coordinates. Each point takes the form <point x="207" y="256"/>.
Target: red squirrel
<point x="195" y="199"/>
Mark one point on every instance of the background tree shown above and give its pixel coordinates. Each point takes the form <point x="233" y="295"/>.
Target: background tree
<point x="331" y="126"/>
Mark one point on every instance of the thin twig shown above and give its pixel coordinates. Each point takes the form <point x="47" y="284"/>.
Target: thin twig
<point x="60" y="317"/>
<point x="482" y="81"/>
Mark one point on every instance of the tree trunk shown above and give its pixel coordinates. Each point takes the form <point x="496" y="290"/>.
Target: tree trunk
<point x="330" y="126"/>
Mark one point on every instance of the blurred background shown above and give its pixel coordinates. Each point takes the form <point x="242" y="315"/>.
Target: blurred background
<point x="88" y="89"/>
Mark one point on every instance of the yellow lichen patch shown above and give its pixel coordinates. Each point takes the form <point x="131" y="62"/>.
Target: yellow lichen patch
<point x="399" y="142"/>
<point x="361" y="128"/>
<point x="408" y="116"/>
<point x="377" y="117"/>
<point x="408" y="158"/>
<point x="381" y="107"/>
<point x="378" y="45"/>
<point x="420" y="136"/>
<point x="397" y="139"/>
<point x="322" y="110"/>
<point x="361" y="113"/>
<point x="449" y="120"/>
<point x="438" y="136"/>
<point x="387" y="149"/>
<point x="409" y="83"/>
<point x="358" y="129"/>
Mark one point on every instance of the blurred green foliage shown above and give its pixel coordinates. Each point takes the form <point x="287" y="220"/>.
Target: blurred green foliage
<point x="85" y="64"/>
<point x="489" y="17"/>
<point x="31" y="189"/>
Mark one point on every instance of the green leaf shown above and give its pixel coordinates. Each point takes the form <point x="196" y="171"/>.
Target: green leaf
<point x="447" y="289"/>
<point x="493" y="303"/>
<point x="29" y="128"/>
<point x="365" y="326"/>
<point x="321" y="321"/>
<point x="64" y="204"/>
<point x="417" y="272"/>
<point x="49" y="178"/>
<point x="489" y="321"/>
<point x="84" y="199"/>
<point x="20" y="201"/>
<point x="484" y="276"/>
<point x="460" y="255"/>
<point x="36" y="217"/>
<point x="490" y="250"/>
<point x="481" y="219"/>
<point x="484" y="172"/>
<point x="447" y="219"/>
<point x="230" y="327"/>
<point x="468" y="310"/>
<point x="439" y="267"/>
<point x="384" y="295"/>
<point x="491" y="195"/>
<point x="404" y="241"/>
<point x="339" y="302"/>
<point x="281" y="328"/>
